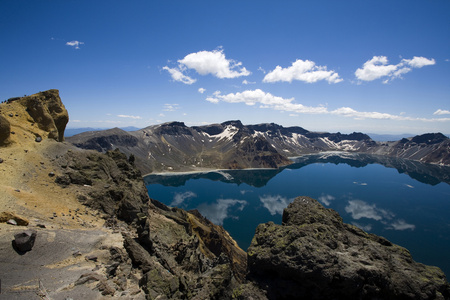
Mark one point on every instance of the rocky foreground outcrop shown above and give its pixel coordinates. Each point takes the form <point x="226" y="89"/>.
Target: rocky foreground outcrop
<point x="179" y="254"/>
<point x="314" y="255"/>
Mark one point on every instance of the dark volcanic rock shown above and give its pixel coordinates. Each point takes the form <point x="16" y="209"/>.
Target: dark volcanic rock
<point x="184" y="256"/>
<point x="429" y="138"/>
<point x="24" y="241"/>
<point x="174" y="128"/>
<point x="5" y="130"/>
<point x="112" y="184"/>
<point x="107" y="141"/>
<point x="314" y="255"/>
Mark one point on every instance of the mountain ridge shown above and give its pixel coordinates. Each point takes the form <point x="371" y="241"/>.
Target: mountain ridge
<point x="173" y="146"/>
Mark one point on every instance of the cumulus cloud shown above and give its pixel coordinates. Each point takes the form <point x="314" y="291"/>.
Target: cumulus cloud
<point x="302" y="70"/>
<point x="201" y="90"/>
<point x="419" y="62"/>
<point x="379" y="67"/>
<point x="130" y="117"/>
<point x="219" y="211"/>
<point x="267" y="100"/>
<point x="441" y="112"/>
<point x="177" y="75"/>
<point x="204" y="63"/>
<point x="75" y="44"/>
<point x="215" y="63"/>
<point x="179" y="198"/>
<point x="275" y="204"/>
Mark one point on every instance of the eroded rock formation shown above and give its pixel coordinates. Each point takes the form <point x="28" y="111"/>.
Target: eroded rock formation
<point x="48" y="112"/>
<point x="314" y="255"/>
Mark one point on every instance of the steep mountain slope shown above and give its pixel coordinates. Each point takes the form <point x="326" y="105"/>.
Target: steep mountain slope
<point x="427" y="148"/>
<point x="97" y="233"/>
<point x="174" y="146"/>
<point x="232" y="145"/>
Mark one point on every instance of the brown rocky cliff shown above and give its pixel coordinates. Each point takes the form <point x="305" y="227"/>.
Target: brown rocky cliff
<point x="42" y="114"/>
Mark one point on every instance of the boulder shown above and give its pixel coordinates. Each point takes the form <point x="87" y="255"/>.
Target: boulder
<point x="5" y="130"/>
<point x="314" y="255"/>
<point x="24" y="241"/>
<point x="5" y="216"/>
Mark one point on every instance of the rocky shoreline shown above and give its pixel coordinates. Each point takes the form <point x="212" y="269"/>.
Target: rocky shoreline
<point x="98" y="234"/>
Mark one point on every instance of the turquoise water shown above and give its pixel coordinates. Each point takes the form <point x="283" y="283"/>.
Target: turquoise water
<point x="387" y="201"/>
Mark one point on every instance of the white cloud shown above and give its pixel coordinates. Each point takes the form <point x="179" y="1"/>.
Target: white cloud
<point x="171" y="107"/>
<point x="302" y="70"/>
<point x="275" y="204"/>
<point x="249" y="97"/>
<point x="267" y="100"/>
<point x="441" y="112"/>
<point x="419" y="62"/>
<point x="128" y="116"/>
<point x="215" y="63"/>
<point x="247" y="82"/>
<point x="375" y="68"/>
<point x="75" y="44"/>
<point x="219" y="211"/>
<point x="262" y="70"/>
<point x="177" y="75"/>
<point x="179" y="198"/>
<point x="378" y="67"/>
<point x="201" y="90"/>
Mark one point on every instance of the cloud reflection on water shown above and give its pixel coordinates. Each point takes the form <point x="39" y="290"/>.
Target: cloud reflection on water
<point x="367" y="227"/>
<point x="219" y="211"/>
<point x="275" y="204"/>
<point x="361" y="209"/>
<point x="401" y="225"/>
<point x="179" y="198"/>
<point x="326" y="199"/>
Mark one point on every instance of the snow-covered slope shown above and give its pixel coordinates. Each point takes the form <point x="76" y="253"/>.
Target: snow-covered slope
<point x="231" y="145"/>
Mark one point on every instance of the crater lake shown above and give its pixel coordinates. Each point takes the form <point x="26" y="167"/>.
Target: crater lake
<point x="404" y="201"/>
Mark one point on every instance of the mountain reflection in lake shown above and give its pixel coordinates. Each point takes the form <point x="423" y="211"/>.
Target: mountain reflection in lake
<point x="404" y="201"/>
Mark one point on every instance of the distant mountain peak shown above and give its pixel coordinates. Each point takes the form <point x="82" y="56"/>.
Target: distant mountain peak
<point x="233" y="145"/>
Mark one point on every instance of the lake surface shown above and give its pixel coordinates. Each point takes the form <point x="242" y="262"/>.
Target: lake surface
<point x="404" y="201"/>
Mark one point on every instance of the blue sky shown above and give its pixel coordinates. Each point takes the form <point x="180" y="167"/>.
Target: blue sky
<point x="370" y="66"/>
